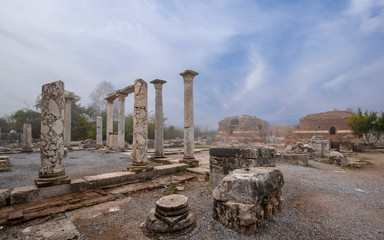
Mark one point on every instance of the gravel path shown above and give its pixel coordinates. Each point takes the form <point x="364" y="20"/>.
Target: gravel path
<point x="320" y="202"/>
<point x="77" y="164"/>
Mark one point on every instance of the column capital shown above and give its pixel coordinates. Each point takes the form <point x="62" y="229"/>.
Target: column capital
<point x="158" y="83"/>
<point x="68" y="99"/>
<point x="188" y="75"/>
<point x="121" y="96"/>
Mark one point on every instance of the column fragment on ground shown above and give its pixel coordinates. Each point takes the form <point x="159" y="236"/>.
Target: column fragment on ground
<point x="140" y="128"/>
<point x="189" y="138"/>
<point x="121" y="123"/>
<point x="159" y="133"/>
<point x="99" y="131"/>
<point x="26" y="140"/>
<point x="52" y="170"/>
<point x="109" y="127"/>
<point x="67" y="121"/>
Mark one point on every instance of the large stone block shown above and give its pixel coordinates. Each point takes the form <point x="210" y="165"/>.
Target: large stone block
<point x="3" y="197"/>
<point x="246" y="197"/>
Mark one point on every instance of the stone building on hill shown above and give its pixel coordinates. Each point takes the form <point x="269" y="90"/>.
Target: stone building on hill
<point x="332" y="124"/>
<point x="243" y="129"/>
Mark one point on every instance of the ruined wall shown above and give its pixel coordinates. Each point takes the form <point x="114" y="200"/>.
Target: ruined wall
<point x="281" y="131"/>
<point x="332" y="124"/>
<point x="242" y="129"/>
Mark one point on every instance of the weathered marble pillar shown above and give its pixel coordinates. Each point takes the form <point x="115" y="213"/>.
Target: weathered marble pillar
<point x="140" y="128"/>
<point x="189" y="135"/>
<point x="26" y="140"/>
<point x="121" y="123"/>
<point x="67" y="121"/>
<point x="52" y="171"/>
<point x="99" y="131"/>
<point x="109" y="127"/>
<point x="159" y="134"/>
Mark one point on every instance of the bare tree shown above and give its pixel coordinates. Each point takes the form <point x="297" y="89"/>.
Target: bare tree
<point x="98" y="102"/>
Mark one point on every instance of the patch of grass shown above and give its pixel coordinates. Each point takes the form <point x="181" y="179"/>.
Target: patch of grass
<point x="52" y="216"/>
<point x="323" y="156"/>
<point x="349" y="155"/>
<point x="325" y="161"/>
<point x="201" y="147"/>
<point x="365" y="161"/>
<point x="162" y="186"/>
<point x="174" y="189"/>
<point x="148" y="179"/>
<point x="352" y="167"/>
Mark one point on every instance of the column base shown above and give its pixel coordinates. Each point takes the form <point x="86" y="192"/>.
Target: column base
<point x="52" y="181"/>
<point x="140" y="167"/>
<point x="192" y="162"/>
<point x="26" y="150"/>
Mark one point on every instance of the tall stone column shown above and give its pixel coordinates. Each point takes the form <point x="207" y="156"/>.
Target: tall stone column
<point x="121" y="123"/>
<point x="26" y="140"/>
<point x="189" y="135"/>
<point x="99" y="131"/>
<point x="109" y="127"/>
<point x="140" y="128"/>
<point x="67" y="122"/>
<point x="159" y="134"/>
<point x="52" y="171"/>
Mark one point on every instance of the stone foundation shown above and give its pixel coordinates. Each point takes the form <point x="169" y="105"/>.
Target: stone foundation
<point x="296" y="159"/>
<point x="5" y="164"/>
<point x="171" y="217"/>
<point x="246" y="197"/>
<point x="224" y="160"/>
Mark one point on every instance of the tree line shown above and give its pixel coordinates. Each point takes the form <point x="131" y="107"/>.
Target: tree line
<point x="83" y="119"/>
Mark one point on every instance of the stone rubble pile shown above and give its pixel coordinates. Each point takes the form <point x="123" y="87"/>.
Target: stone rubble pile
<point x="246" y="197"/>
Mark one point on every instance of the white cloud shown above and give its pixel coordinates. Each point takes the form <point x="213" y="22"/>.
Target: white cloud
<point x="370" y="14"/>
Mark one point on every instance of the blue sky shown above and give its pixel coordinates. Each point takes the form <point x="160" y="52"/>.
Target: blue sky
<point x="277" y="60"/>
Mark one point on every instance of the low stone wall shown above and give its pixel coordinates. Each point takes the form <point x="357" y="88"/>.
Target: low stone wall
<point x="223" y="160"/>
<point x="295" y="158"/>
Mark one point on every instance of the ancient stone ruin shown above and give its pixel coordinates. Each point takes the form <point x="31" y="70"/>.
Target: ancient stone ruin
<point x="52" y="170"/>
<point x="332" y="124"/>
<point x="338" y="158"/>
<point x="170" y="218"/>
<point x="246" y="197"/>
<point x="5" y="164"/>
<point x="26" y="138"/>
<point x="224" y="160"/>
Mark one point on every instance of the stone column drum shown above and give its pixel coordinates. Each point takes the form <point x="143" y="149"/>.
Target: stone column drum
<point x="121" y="123"/>
<point x="140" y="128"/>
<point x="109" y="127"/>
<point x="189" y="136"/>
<point x="26" y="140"/>
<point x="99" y="131"/>
<point x="67" y="121"/>
<point x="52" y="171"/>
<point x="159" y="134"/>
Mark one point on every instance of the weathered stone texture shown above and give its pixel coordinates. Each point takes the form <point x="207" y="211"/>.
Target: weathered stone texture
<point x="320" y="145"/>
<point x="26" y="138"/>
<point x="189" y="135"/>
<point x="113" y="141"/>
<point x="99" y="131"/>
<point x="57" y="229"/>
<point x="224" y="160"/>
<point x="246" y="197"/>
<point x="170" y="218"/>
<point x="159" y="134"/>
<point x="5" y="163"/>
<point x="67" y="121"/>
<point x="52" y="171"/>
<point x="121" y="123"/>
<point x="338" y="158"/>
<point x="242" y="129"/>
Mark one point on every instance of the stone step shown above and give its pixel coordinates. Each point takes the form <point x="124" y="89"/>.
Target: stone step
<point x="198" y="170"/>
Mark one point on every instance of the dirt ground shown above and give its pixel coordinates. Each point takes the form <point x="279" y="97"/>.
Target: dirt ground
<point x="320" y="202"/>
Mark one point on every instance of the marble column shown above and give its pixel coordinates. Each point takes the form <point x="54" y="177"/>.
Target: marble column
<point x="26" y="140"/>
<point x="52" y="170"/>
<point x="189" y="138"/>
<point x="67" y="122"/>
<point x="121" y="123"/>
<point x="140" y="128"/>
<point x="159" y="133"/>
<point x="109" y="127"/>
<point x="99" y="131"/>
